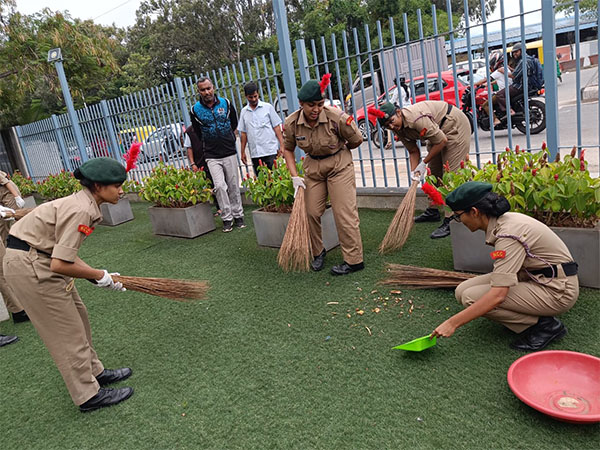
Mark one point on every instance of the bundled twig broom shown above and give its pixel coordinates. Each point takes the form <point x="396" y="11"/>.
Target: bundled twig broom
<point x="295" y="251"/>
<point x="19" y="213"/>
<point x="423" y="277"/>
<point x="402" y="223"/>
<point x="180" y="290"/>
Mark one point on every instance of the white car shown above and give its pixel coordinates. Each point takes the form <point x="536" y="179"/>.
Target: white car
<point x="164" y="143"/>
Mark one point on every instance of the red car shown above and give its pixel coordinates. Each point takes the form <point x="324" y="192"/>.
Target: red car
<point x="434" y="94"/>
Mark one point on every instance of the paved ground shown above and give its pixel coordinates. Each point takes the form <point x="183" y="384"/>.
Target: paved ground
<point x="567" y="118"/>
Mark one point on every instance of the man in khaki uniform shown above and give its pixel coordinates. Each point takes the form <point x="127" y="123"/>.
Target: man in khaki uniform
<point x="326" y="134"/>
<point x="534" y="276"/>
<point x="10" y="197"/>
<point x="40" y="264"/>
<point x="448" y="134"/>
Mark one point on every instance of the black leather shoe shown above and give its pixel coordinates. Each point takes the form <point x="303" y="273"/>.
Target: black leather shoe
<point x="345" y="268"/>
<point x="106" y="397"/>
<point x="443" y="230"/>
<point x="429" y="215"/>
<point x="109" y="376"/>
<point x="538" y="336"/>
<point x="20" y="316"/>
<point x="5" y="340"/>
<point x="318" y="263"/>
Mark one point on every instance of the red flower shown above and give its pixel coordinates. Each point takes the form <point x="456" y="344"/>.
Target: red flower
<point x="573" y="152"/>
<point x="434" y="195"/>
<point x="176" y="186"/>
<point x="582" y="166"/>
<point x="544" y="145"/>
<point x="517" y="147"/>
<point x="302" y="159"/>
<point x="280" y="177"/>
<point x="275" y="164"/>
<point x="202" y="169"/>
<point x="428" y="171"/>
<point x="534" y="172"/>
<point x="581" y="156"/>
<point x="525" y="169"/>
<point x="447" y="166"/>
<point x="507" y="149"/>
<point x="462" y="164"/>
<point x="517" y="151"/>
<point x="556" y="176"/>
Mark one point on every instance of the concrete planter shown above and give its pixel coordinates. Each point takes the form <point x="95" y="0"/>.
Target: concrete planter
<point x="116" y="214"/>
<point x="470" y="253"/>
<point x="29" y="201"/>
<point x="3" y="311"/>
<point x="182" y="222"/>
<point x="270" y="228"/>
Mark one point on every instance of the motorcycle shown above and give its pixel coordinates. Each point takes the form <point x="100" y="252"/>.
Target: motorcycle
<point x="537" y="111"/>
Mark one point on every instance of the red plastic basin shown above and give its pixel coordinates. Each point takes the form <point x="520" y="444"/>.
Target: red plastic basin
<point x="562" y="384"/>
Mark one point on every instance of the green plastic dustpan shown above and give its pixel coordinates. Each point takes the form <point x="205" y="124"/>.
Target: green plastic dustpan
<point x="417" y="345"/>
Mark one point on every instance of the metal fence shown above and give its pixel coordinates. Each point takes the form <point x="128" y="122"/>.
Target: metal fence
<point x="367" y="67"/>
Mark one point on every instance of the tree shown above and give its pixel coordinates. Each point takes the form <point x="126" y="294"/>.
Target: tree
<point x="29" y="85"/>
<point x="585" y="6"/>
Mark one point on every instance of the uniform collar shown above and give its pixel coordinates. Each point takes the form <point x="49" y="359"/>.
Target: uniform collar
<point x="302" y="119"/>
<point x="86" y="194"/>
<point x="260" y="105"/>
<point x="490" y="234"/>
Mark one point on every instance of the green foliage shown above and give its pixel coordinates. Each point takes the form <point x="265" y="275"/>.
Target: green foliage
<point x="559" y="193"/>
<point x="59" y="185"/>
<point x="25" y="184"/>
<point x="171" y="187"/>
<point x="272" y="189"/>
<point x="131" y="186"/>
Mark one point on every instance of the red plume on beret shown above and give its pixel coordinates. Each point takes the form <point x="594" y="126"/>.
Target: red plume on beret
<point x="324" y="82"/>
<point x="376" y="112"/>
<point x="132" y="155"/>
<point x="434" y="195"/>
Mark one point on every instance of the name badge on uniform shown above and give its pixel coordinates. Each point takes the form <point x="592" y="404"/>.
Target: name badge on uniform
<point x="498" y="254"/>
<point x="85" y="229"/>
<point x="300" y="138"/>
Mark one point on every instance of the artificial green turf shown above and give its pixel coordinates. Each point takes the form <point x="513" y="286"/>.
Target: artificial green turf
<point x="266" y="362"/>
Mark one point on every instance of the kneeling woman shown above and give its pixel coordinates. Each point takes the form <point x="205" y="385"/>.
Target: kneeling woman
<point x="534" y="276"/>
<point x="40" y="264"/>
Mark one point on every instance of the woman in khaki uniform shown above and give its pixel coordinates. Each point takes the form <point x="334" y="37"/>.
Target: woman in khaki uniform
<point x="40" y="264"/>
<point x="448" y="134"/>
<point x="534" y="276"/>
<point x="326" y="134"/>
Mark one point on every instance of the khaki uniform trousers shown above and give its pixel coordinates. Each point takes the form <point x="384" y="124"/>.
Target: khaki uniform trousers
<point x="458" y="132"/>
<point x="525" y="302"/>
<point x="333" y="176"/>
<point x="11" y="302"/>
<point x="8" y="200"/>
<point x="60" y="318"/>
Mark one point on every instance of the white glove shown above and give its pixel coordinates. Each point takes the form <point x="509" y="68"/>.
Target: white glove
<point x="107" y="282"/>
<point x="419" y="171"/>
<point x="4" y="210"/>
<point x="298" y="182"/>
<point x="20" y="202"/>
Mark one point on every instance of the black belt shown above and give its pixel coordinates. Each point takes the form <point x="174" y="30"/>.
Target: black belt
<point x="325" y="156"/>
<point x="570" y="268"/>
<point x="19" y="244"/>
<point x="447" y="112"/>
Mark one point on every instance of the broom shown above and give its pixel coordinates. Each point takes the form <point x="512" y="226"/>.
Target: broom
<point x="423" y="277"/>
<point x="180" y="290"/>
<point x="402" y="223"/>
<point x="295" y="251"/>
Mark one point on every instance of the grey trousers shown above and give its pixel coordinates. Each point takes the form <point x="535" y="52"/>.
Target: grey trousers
<point x="227" y="186"/>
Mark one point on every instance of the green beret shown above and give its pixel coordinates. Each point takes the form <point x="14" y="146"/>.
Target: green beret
<point x="389" y="109"/>
<point x="102" y="170"/>
<point x="310" y="92"/>
<point x="467" y="195"/>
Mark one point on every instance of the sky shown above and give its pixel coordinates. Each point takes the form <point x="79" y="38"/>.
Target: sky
<point x="106" y="12"/>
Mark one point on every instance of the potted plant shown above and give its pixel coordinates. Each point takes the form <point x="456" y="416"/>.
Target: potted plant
<point x="26" y="187"/>
<point x="180" y="198"/>
<point x="273" y="191"/>
<point x="561" y="194"/>
<point x="120" y="212"/>
<point x="58" y="185"/>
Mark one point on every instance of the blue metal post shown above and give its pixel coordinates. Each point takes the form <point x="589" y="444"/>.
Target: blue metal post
<point x="71" y="110"/>
<point x="23" y="150"/>
<point x="285" y="55"/>
<point x="110" y="130"/>
<point x="302" y="62"/>
<point x="551" y="90"/>
<point x="183" y="106"/>
<point x="577" y="73"/>
<point x="61" y="143"/>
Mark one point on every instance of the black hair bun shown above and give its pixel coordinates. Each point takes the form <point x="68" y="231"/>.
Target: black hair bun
<point x="501" y="205"/>
<point x="77" y="174"/>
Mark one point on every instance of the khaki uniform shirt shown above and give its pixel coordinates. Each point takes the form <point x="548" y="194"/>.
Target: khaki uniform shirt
<point x="509" y="255"/>
<point x="334" y="129"/>
<point x="59" y="227"/>
<point x="421" y="122"/>
<point x="3" y="178"/>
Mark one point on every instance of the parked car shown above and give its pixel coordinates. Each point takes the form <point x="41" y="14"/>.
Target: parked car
<point x="419" y="84"/>
<point x="164" y="143"/>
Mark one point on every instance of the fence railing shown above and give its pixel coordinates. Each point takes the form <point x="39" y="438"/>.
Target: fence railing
<point x="368" y="66"/>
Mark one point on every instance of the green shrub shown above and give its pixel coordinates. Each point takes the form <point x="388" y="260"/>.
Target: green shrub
<point x="25" y="184"/>
<point x="59" y="185"/>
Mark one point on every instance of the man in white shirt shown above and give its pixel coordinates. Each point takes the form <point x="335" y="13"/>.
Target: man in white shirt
<point x="260" y="128"/>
